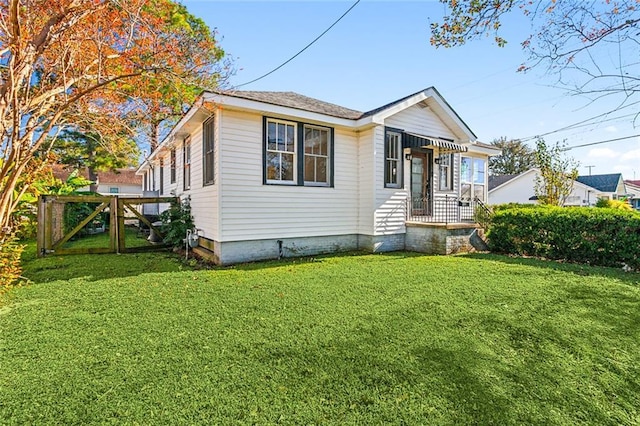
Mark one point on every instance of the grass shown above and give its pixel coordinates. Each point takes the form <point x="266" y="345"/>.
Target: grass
<point x="352" y="339"/>
<point x="133" y="238"/>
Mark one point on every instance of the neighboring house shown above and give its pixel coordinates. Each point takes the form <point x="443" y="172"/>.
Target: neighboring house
<point x="520" y="188"/>
<point x="122" y="182"/>
<point x="273" y="174"/>
<point x="633" y="190"/>
<point x="611" y="186"/>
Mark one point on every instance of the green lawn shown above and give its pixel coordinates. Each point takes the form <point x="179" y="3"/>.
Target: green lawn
<point x="354" y="339"/>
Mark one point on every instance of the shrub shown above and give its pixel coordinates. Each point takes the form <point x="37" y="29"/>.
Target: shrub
<point x="613" y="204"/>
<point x="603" y="237"/>
<point x="10" y="269"/>
<point x="175" y="223"/>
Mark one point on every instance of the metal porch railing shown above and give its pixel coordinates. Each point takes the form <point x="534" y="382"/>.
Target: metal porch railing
<point x="443" y="209"/>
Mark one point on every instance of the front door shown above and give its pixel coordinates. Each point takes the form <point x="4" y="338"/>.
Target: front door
<point x="420" y="184"/>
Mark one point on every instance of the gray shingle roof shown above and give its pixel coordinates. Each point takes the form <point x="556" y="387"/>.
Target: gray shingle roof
<point x="496" y="181"/>
<point x="297" y="101"/>
<point x="604" y="183"/>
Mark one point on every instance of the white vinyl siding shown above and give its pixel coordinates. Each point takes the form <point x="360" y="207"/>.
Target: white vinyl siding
<point x="251" y="210"/>
<point x="204" y="199"/>
<point x="389" y="203"/>
<point x="419" y="120"/>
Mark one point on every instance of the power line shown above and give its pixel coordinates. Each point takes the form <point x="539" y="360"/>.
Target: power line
<point x="599" y="142"/>
<point x="303" y="49"/>
<point x="571" y="126"/>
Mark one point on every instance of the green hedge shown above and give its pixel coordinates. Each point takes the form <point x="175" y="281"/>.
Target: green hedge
<point x="606" y="237"/>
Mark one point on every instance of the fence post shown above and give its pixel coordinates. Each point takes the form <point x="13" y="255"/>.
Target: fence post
<point x="41" y="239"/>
<point x="120" y="225"/>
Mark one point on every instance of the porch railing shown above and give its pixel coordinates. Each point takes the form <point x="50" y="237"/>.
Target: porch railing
<point x="443" y="209"/>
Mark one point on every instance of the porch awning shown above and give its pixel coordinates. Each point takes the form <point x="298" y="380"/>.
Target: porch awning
<point x="413" y="140"/>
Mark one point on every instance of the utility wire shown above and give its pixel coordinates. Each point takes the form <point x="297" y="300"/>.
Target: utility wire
<point x="303" y="49"/>
<point x="579" y="123"/>
<point x="599" y="142"/>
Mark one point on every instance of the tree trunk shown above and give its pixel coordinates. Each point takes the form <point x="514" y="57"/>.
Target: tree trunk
<point x="93" y="177"/>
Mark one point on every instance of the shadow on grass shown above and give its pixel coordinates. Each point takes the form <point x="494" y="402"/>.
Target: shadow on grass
<point x="320" y="258"/>
<point x="95" y="267"/>
<point x="631" y="278"/>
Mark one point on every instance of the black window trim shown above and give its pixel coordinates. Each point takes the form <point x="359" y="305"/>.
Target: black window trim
<point x="172" y="161"/>
<point x="299" y="181"/>
<point x="186" y="169"/>
<point x="161" y="166"/>
<point x="205" y="151"/>
<point x="400" y="184"/>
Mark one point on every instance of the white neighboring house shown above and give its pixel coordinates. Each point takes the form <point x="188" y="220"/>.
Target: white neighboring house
<point x="520" y="188"/>
<point x="633" y="189"/>
<point x="273" y="174"/>
<point x="121" y="182"/>
<point x="611" y="186"/>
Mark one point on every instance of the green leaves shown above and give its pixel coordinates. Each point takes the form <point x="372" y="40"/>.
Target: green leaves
<point x="557" y="174"/>
<point x="605" y="237"/>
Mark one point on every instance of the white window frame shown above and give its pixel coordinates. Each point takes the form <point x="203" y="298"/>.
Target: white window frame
<point x="472" y="181"/>
<point x="293" y="153"/>
<point x="326" y="156"/>
<point x="445" y="168"/>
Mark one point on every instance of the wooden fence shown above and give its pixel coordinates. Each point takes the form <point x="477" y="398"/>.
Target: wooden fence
<point x="52" y="235"/>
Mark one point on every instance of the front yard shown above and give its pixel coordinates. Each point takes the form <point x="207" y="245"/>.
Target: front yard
<point x="352" y="339"/>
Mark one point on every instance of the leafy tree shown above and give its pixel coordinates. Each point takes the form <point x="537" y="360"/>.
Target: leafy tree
<point x="91" y="65"/>
<point x="516" y="157"/>
<point x="89" y="150"/>
<point x="593" y="45"/>
<point x="557" y="174"/>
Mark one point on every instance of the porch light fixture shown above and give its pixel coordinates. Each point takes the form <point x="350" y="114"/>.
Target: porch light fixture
<point x="408" y="156"/>
<point x="438" y="160"/>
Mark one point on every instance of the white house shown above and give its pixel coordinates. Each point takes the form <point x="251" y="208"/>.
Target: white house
<point x="273" y="174"/>
<point x="122" y="182"/>
<point x="611" y="186"/>
<point x="520" y="188"/>
<point x="633" y="189"/>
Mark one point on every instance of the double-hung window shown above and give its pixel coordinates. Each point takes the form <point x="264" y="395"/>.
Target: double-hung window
<point x="186" y="163"/>
<point x="207" y="152"/>
<point x="445" y="172"/>
<point x="172" y="159"/>
<point x="297" y="153"/>
<point x="392" y="159"/>
<point x="316" y="155"/>
<point x="161" y="176"/>
<point x="281" y="151"/>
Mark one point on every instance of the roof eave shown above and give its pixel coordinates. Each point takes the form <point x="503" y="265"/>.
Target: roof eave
<point x="231" y="102"/>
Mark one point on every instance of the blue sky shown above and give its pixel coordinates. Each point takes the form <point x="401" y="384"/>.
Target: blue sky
<point x="380" y="52"/>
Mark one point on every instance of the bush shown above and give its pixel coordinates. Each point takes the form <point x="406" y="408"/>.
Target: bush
<point x="603" y="237"/>
<point x="10" y="269"/>
<point x="175" y="223"/>
<point x="613" y="204"/>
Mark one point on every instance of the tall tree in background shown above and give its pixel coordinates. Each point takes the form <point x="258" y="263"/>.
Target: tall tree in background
<point x="557" y="174"/>
<point x="593" y="45"/>
<point x="79" y="63"/>
<point x="516" y="157"/>
<point x="88" y="150"/>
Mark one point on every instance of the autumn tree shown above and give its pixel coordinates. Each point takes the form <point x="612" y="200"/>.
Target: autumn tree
<point x="592" y="46"/>
<point x="557" y="174"/>
<point x="515" y="157"/>
<point x="91" y="65"/>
